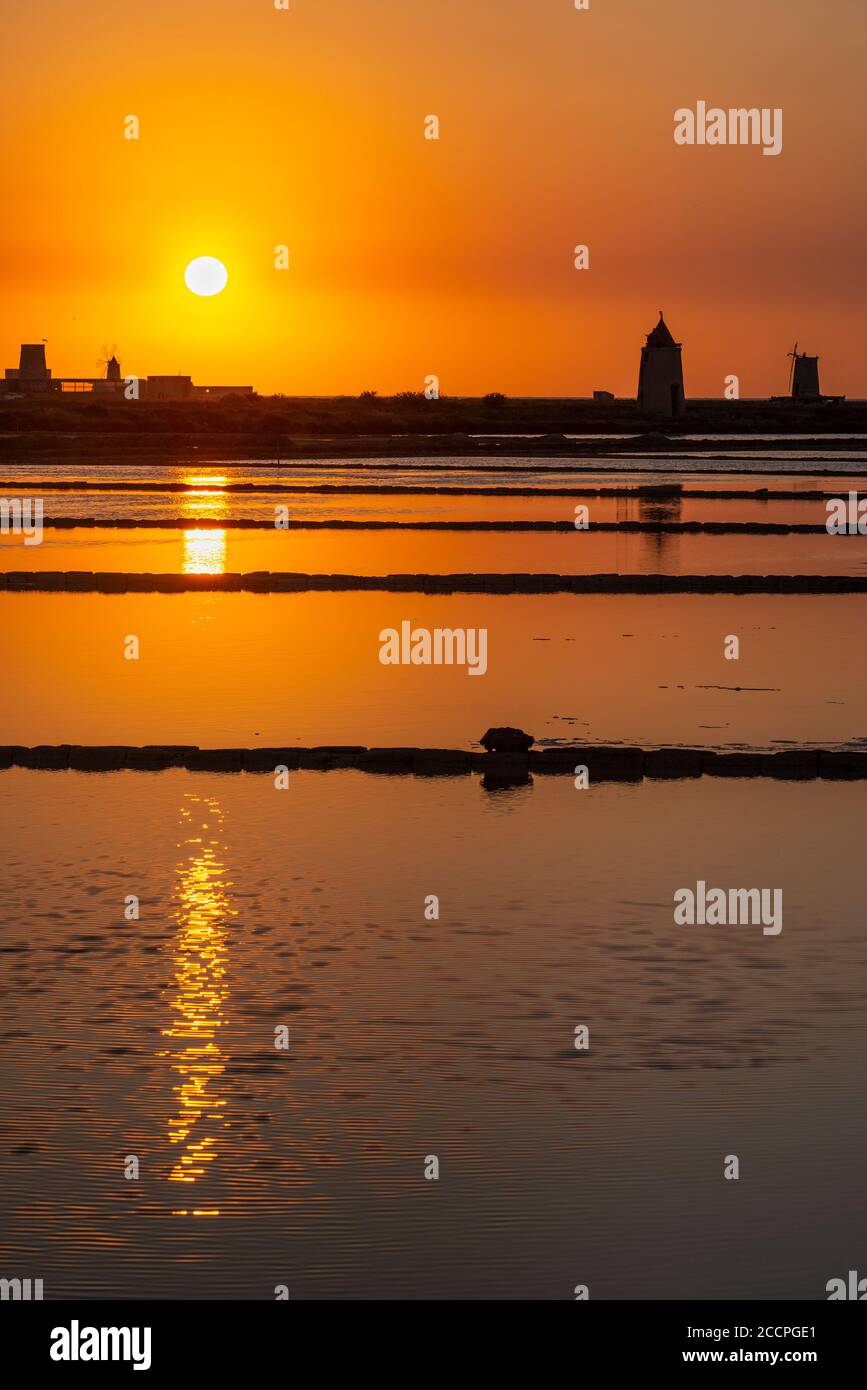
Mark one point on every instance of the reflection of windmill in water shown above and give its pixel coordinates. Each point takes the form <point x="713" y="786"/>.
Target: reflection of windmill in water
<point x="659" y="504"/>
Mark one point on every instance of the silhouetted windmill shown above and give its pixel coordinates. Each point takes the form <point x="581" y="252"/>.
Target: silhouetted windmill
<point x="804" y="379"/>
<point x="109" y="360"/>
<point x="794" y="356"/>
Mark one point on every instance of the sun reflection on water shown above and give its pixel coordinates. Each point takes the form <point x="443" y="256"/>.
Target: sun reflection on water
<point x="206" y="481"/>
<point x="199" y="1002"/>
<point x="204" y="551"/>
<point x="205" y="547"/>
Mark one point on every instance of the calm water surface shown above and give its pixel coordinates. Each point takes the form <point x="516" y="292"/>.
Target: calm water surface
<point x="783" y="468"/>
<point x="246" y="669"/>
<point x="153" y="1039"/>
<point x="304" y="909"/>
<point x="197" y="550"/>
<point x="202" y="501"/>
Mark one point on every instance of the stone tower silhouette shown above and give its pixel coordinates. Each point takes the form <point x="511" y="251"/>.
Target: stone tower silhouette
<point x="31" y="363"/>
<point x="660" y="376"/>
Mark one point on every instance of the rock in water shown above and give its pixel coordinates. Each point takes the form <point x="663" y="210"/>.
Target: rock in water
<point x="506" y="741"/>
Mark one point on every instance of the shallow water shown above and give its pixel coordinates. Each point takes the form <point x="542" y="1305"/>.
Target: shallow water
<point x="226" y="669"/>
<point x="776" y="469"/>
<point x="304" y="909"/>
<point x="410" y="1038"/>
<point x="216" y="551"/>
<point x="196" y="504"/>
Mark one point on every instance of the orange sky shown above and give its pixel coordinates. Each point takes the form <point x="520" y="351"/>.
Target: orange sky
<point x="410" y="256"/>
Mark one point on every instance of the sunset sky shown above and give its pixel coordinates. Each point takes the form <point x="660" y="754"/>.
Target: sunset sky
<point x="408" y="256"/>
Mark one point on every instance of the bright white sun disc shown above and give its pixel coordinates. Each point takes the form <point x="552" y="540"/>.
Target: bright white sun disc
<point x="206" y="275"/>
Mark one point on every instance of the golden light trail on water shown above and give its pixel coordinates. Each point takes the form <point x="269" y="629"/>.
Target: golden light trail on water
<point x="205" y="547"/>
<point x="204" y="551"/>
<point x="198" y="1006"/>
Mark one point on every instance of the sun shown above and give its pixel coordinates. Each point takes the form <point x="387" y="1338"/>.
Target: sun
<point x="206" y="275"/>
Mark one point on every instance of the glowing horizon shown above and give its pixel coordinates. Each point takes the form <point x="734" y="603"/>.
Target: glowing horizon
<point x="263" y="129"/>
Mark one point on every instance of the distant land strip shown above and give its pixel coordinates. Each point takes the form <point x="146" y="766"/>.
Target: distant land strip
<point x="611" y="762"/>
<point x="662" y="492"/>
<point x="165" y="437"/>
<point x="217" y="523"/>
<point x="267" y="582"/>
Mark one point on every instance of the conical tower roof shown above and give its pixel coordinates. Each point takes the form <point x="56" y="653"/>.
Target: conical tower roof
<point x="660" y="336"/>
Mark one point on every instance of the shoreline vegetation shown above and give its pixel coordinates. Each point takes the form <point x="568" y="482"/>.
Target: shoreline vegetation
<point x="299" y="428"/>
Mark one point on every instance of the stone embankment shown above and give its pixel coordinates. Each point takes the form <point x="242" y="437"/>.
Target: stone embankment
<point x="273" y="582"/>
<point x="605" y="763"/>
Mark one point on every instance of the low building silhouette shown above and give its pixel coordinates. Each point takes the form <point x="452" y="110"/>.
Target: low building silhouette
<point x="167" y="388"/>
<point x="33" y="377"/>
